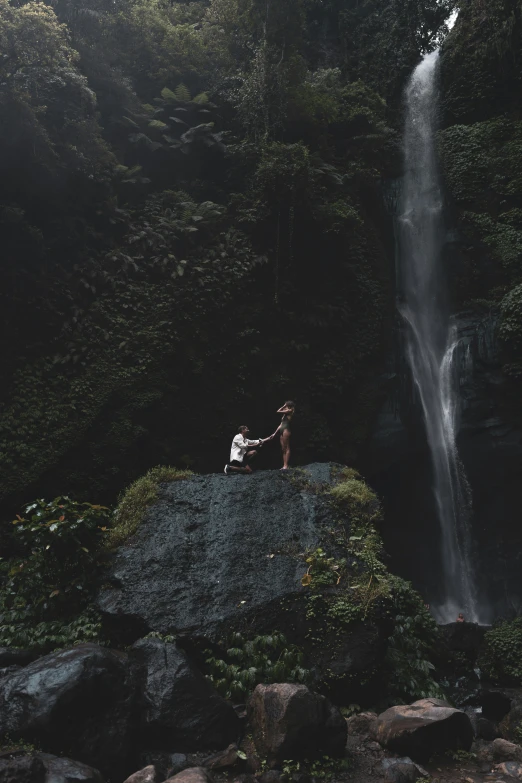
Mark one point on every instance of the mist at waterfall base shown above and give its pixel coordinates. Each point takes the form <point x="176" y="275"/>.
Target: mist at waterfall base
<point x="431" y="344"/>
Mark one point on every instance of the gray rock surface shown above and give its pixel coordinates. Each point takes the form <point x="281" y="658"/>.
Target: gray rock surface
<point x="180" y="709"/>
<point x="192" y="775"/>
<point x="63" y="770"/>
<point x="403" y="770"/>
<point x="503" y="750"/>
<point x="202" y="556"/>
<point x="512" y="769"/>
<point x="291" y="722"/>
<point x="421" y="729"/>
<point x="145" y="775"/>
<point x="79" y="701"/>
<point x="23" y="767"/>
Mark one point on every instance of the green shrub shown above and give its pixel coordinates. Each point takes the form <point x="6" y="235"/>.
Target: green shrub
<point x="354" y="496"/>
<point x="58" y="548"/>
<point x="137" y="498"/>
<point x="501" y="656"/>
<point x="46" y="636"/>
<point x="248" y="662"/>
<point x="47" y="587"/>
<point x="410" y="673"/>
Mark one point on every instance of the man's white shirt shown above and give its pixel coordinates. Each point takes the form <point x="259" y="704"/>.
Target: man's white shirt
<point x="240" y="446"/>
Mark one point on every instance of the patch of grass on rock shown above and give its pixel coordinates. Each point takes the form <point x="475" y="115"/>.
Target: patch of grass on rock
<point x="137" y="498"/>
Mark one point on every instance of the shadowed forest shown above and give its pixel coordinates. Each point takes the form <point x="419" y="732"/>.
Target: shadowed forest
<point x="193" y="228"/>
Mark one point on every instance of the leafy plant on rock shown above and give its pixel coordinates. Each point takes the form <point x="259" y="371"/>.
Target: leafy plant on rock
<point x="47" y="586"/>
<point x="248" y="662"/>
<point x="501" y="655"/>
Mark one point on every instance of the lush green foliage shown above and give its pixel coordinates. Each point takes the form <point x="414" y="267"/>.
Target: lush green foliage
<point x="411" y="645"/>
<point x="501" y="655"/>
<point x="137" y="498"/>
<point x="348" y="584"/>
<point x="46" y="587"/>
<point x="247" y="662"/>
<point x="172" y="170"/>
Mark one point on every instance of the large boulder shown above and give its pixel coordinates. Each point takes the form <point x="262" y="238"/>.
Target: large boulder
<point x="20" y="767"/>
<point x="79" y="701"/>
<point x="180" y="709"/>
<point x="218" y="553"/>
<point x="63" y="770"/>
<point x="192" y="775"/>
<point x="421" y="729"/>
<point x="201" y="556"/>
<point x="291" y="722"/>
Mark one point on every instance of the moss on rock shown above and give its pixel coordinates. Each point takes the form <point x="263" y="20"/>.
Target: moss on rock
<point x="135" y="501"/>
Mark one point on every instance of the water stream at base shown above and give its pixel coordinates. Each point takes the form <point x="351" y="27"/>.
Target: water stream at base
<point x="432" y="345"/>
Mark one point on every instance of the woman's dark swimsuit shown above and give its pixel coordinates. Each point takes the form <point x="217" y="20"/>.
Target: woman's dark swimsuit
<point x="285" y="423"/>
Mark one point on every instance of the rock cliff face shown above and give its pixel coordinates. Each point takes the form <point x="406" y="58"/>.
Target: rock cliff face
<point x="490" y="445"/>
<point x="480" y="158"/>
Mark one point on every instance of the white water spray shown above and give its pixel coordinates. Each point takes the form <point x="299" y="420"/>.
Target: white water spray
<point x="431" y="339"/>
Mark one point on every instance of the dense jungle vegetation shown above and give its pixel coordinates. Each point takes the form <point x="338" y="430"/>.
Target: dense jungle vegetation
<point x="193" y="228"/>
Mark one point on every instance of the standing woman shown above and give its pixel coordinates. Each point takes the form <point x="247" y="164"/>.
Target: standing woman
<point x="288" y="410"/>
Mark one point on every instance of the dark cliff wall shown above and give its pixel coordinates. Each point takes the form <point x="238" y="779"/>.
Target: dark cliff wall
<point x="480" y="153"/>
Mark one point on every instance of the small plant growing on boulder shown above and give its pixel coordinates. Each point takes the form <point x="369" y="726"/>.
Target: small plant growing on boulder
<point x="137" y="498"/>
<point x="248" y="662"/>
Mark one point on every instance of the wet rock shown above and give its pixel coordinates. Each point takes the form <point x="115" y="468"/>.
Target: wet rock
<point x="424" y="728"/>
<point x="192" y="775"/>
<point x="226" y="758"/>
<point x="486" y="729"/>
<point x="503" y="750"/>
<point x="63" y="770"/>
<point x="4" y="671"/>
<point x="196" y="568"/>
<point x="495" y="704"/>
<point x="166" y="764"/>
<point x="363" y="723"/>
<point x="145" y="775"/>
<point x="25" y="768"/>
<point x="291" y="722"/>
<point x="181" y="709"/>
<point x="80" y="701"/>
<point x="402" y="770"/>
<point x="512" y="769"/>
<point x="462" y="637"/>
<point x="177" y="763"/>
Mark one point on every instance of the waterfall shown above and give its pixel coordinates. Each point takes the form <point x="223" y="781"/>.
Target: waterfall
<point x="432" y="344"/>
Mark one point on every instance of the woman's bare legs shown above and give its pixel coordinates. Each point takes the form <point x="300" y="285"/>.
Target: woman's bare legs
<point x="285" y="448"/>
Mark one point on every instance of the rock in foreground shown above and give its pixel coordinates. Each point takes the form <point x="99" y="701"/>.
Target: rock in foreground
<point x="181" y="709"/>
<point x="292" y="722"/>
<point x="421" y="729"/>
<point x="202" y="556"/>
<point x="80" y="701"/>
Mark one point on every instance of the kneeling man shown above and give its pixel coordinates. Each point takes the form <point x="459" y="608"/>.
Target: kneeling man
<point x="241" y="452"/>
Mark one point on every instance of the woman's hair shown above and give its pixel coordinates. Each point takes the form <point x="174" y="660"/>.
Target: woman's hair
<point x="290" y="404"/>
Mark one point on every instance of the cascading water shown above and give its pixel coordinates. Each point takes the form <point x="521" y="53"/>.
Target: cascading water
<point x="431" y="339"/>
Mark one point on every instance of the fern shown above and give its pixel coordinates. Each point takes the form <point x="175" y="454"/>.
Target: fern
<point x="182" y="94"/>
